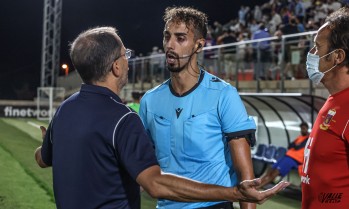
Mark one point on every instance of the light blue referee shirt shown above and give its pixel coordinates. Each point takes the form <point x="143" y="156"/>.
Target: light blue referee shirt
<point x="190" y="131"/>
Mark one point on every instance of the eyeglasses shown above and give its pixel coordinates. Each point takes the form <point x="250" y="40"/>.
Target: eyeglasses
<point x="128" y="54"/>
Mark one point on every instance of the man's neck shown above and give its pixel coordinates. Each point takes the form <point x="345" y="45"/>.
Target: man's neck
<point x="337" y="83"/>
<point x="108" y="84"/>
<point x="185" y="80"/>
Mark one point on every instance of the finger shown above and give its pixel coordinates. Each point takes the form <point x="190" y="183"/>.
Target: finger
<point x="282" y="185"/>
<point x="43" y="131"/>
<point x="274" y="190"/>
<point x="257" y="181"/>
<point x="277" y="188"/>
<point x="251" y="183"/>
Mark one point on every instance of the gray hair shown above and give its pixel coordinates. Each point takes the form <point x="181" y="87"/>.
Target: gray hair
<point x="94" y="51"/>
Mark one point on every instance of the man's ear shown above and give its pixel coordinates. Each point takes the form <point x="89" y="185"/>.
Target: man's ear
<point x="200" y="45"/>
<point x="340" y="56"/>
<point x="115" y="69"/>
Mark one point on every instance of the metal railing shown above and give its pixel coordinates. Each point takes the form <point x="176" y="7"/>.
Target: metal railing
<point x="287" y="62"/>
<point x="282" y="59"/>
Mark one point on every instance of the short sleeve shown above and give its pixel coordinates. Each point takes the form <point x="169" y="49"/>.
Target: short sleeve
<point x="133" y="146"/>
<point x="233" y="115"/>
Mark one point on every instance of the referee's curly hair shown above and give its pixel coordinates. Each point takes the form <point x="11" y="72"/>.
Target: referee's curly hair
<point x="191" y="17"/>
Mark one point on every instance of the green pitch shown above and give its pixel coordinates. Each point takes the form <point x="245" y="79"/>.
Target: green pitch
<point x="23" y="185"/>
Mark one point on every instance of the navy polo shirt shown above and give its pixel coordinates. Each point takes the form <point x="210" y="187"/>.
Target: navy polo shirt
<point x="97" y="146"/>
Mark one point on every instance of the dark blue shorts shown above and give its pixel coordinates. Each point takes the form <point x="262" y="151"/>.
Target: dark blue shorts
<point x="285" y="164"/>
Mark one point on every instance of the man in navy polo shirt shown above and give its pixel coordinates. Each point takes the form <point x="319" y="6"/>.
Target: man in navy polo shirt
<point x="98" y="147"/>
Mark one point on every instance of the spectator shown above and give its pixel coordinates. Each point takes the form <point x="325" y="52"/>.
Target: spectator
<point x="333" y="5"/>
<point x="275" y="68"/>
<point x="155" y="60"/>
<point x="242" y="53"/>
<point x="285" y="15"/>
<point x="310" y="11"/>
<point x="253" y="26"/>
<point x="248" y="15"/>
<point x="321" y="11"/>
<point x="311" y="25"/>
<point x="210" y="55"/>
<point x="163" y="74"/>
<point x="299" y="11"/>
<point x="257" y="13"/>
<point x="261" y="53"/>
<point x="300" y="26"/>
<point x="293" y="158"/>
<point x="136" y="99"/>
<point x="274" y="22"/>
<point x="218" y="29"/>
<point x="291" y="67"/>
<point x="242" y="15"/>
<point x="228" y="53"/>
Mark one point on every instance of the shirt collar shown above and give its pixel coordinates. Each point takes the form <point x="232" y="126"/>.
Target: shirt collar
<point x="99" y="90"/>
<point x="201" y="77"/>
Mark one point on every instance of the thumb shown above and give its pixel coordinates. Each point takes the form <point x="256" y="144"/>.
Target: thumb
<point x="251" y="183"/>
<point x="43" y="131"/>
<point x="257" y="181"/>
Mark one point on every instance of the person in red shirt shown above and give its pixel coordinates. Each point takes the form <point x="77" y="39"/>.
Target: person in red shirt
<point x="325" y="173"/>
<point x="292" y="159"/>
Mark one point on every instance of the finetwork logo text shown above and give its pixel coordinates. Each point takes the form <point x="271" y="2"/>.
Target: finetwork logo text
<point x="25" y="112"/>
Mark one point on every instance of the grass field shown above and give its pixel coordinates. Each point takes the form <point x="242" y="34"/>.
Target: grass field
<point x="23" y="185"/>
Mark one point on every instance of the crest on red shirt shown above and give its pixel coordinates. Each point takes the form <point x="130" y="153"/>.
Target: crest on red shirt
<point x="326" y="124"/>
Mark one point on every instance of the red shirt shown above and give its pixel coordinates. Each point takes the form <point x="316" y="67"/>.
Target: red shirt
<point x="325" y="173"/>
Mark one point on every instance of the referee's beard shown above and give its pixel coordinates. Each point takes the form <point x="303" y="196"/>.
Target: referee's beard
<point x="179" y="68"/>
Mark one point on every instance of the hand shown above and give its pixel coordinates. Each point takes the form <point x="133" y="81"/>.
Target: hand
<point x="249" y="192"/>
<point x="37" y="154"/>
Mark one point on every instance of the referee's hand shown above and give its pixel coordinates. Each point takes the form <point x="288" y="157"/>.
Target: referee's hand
<point x="251" y="194"/>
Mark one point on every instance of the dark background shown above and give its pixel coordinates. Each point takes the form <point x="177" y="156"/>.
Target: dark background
<point x="139" y="23"/>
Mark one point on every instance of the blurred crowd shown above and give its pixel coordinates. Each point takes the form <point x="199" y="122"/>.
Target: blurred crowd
<point x="262" y="59"/>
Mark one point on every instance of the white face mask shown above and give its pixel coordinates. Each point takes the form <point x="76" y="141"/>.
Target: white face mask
<point x="312" y="63"/>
